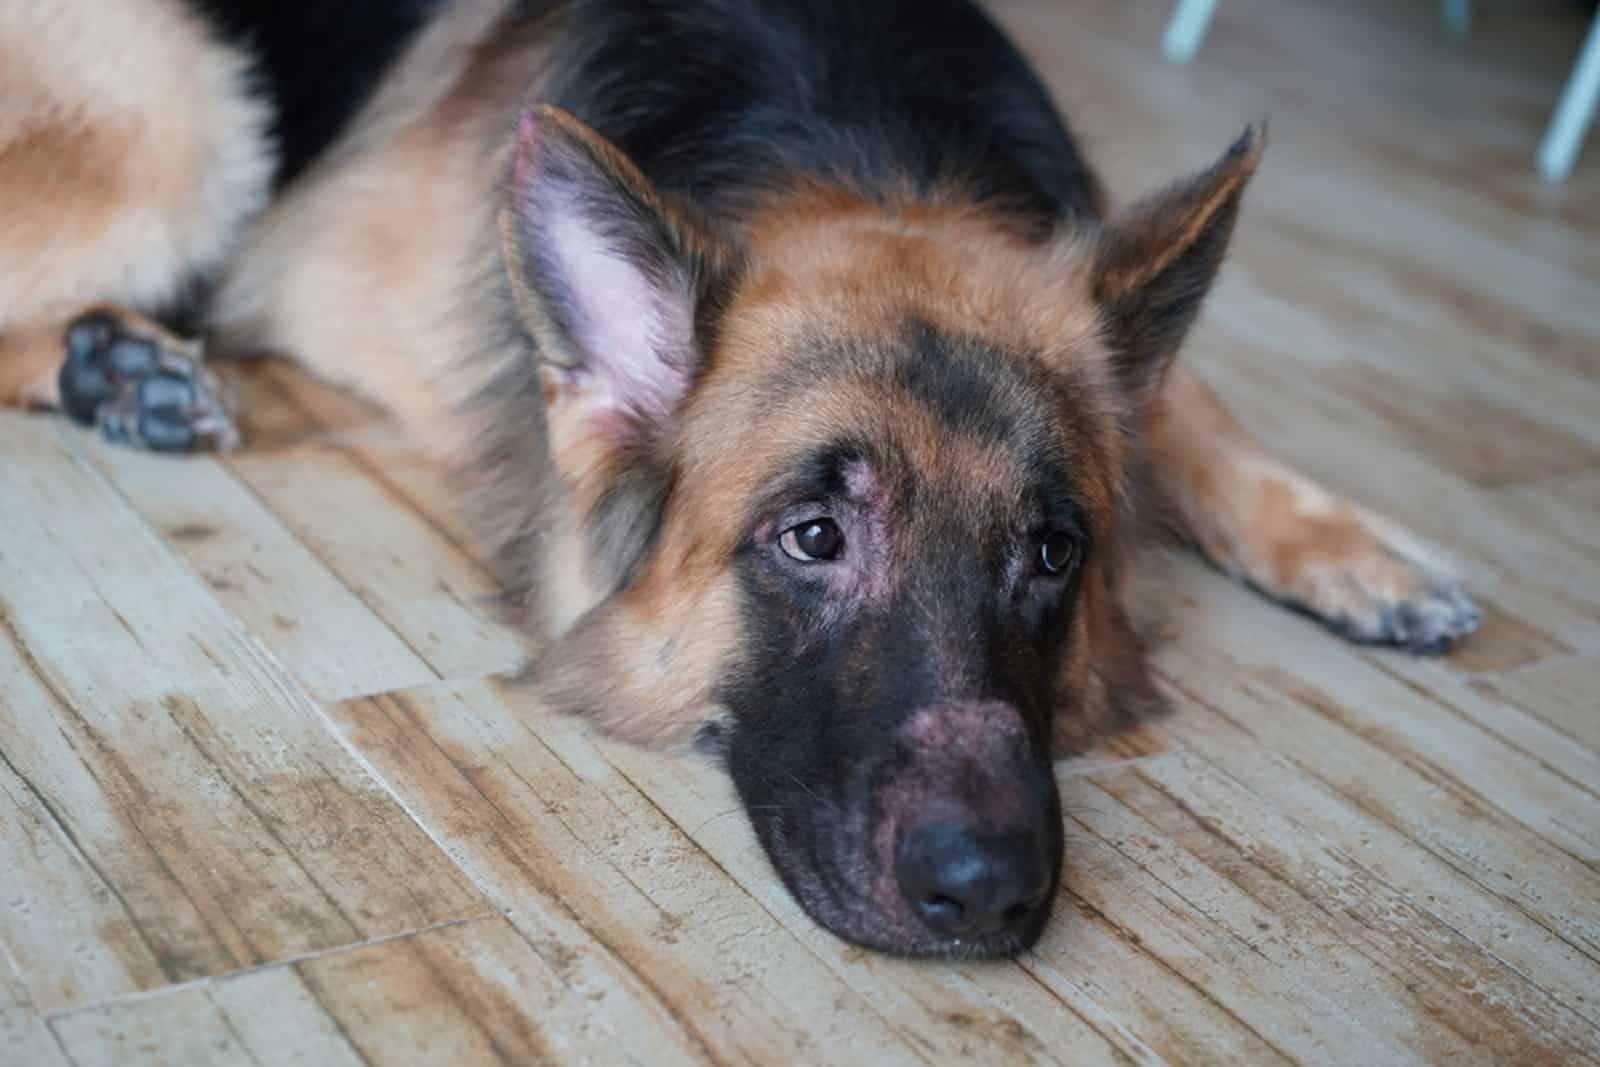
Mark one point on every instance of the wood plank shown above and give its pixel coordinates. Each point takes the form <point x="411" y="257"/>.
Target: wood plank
<point x="1371" y="697"/>
<point x="1567" y="512"/>
<point x="336" y="417"/>
<point x="25" y="1040"/>
<point x="1564" y="696"/>
<point x="1329" y="923"/>
<point x="178" y="1030"/>
<point x="1547" y="744"/>
<point x="603" y="878"/>
<point x="437" y="599"/>
<point x="1338" y="766"/>
<point x="392" y="549"/>
<point x="1401" y="121"/>
<point x="12" y="992"/>
<point x="1183" y="946"/>
<point x="332" y="643"/>
<point x="464" y="994"/>
<point x="1359" y="829"/>
<point x="1379" y="358"/>
<point x="274" y="1014"/>
<point x="1379" y="361"/>
<point x="473" y="994"/>
<point x="1089" y="959"/>
<point x="58" y="906"/>
<point x="181" y="809"/>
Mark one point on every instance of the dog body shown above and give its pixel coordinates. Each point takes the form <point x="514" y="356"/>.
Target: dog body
<point x="806" y="394"/>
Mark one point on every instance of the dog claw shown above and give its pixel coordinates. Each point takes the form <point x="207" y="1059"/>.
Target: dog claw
<point x="1428" y="624"/>
<point x="1423" y="608"/>
<point x="140" y="391"/>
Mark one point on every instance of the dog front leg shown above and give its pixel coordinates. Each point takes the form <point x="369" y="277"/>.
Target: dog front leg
<point x="1258" y="519"/>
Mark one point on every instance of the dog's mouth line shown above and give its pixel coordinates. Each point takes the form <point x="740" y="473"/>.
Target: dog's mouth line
<point x="819" y="881"/>
<point x="798" y="860"/>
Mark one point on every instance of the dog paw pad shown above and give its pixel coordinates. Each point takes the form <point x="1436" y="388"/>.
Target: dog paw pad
<point x="140" y="390"/>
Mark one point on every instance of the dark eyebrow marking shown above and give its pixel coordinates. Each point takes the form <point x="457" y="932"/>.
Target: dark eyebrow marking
<point x="968" y="384"/>
<point x="963" y="383"/>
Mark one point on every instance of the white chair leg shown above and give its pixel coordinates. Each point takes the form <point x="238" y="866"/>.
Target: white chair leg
<point x="1190" y="19"/>
<point x="1457" y="14"/>
<point x="1574" y="113"/>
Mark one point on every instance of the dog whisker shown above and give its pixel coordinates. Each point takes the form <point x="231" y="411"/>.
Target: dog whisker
<point x="777" y="809"/>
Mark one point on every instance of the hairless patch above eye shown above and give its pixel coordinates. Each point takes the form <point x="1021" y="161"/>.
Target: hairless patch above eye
<point x="880" y="559"/>
<point x="863" y="484"/>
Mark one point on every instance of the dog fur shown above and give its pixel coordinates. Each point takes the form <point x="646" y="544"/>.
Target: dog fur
<point x="662" y="318"/>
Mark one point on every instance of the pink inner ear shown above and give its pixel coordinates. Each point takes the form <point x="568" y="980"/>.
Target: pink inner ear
<point x="634" y="336"/>
<point x="633" y="333"/>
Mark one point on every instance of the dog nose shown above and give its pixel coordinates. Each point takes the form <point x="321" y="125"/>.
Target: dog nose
<point x="963" y="884"/>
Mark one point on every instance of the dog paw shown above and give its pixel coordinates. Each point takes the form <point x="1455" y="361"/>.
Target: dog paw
<point x="141" y="388"/>
<point x="1426" y="623"/>
<point x="1387" y="588"/>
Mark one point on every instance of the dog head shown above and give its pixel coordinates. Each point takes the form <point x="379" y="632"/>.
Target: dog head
<point x="842" y="495"/>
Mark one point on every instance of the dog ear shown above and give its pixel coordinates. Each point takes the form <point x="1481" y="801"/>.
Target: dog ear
<point x="1155" y="262"/>
<point x="608" y="279"/>
<point x="613" y="283"/>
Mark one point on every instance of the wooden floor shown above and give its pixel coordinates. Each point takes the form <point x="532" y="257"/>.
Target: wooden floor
<point x="263" y="801"/>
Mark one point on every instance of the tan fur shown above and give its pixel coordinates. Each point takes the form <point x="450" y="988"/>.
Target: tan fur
<point x="820" y="261"/>
<point x="1260" y="519"/>
<point x="130" y="154"/>
<point x="380" y="268"/>
<point x="825" y="264"/>
<point x="959" y="265"/>
<point x="644" y="672"/>
<point x="362" y="270"/>
<point x="828" y="264"/>
<point x="30" y="362"/>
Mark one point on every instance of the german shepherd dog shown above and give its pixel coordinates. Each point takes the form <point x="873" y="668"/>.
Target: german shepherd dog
<point x="806" y="392"/>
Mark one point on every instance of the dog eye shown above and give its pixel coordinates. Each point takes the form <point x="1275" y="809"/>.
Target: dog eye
<point x="1057" y="553"/>
<point x="813" y="542"/>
